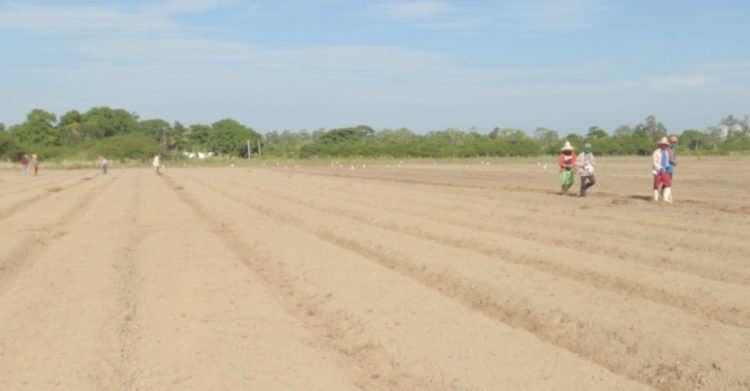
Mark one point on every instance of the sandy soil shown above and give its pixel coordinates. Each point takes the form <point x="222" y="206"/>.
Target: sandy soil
<point x="429" y="276"/>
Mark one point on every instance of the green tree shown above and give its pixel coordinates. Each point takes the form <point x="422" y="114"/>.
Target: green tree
<point x="340" y="135"/>
<point x="230" y="137"/>
<point x="126" y="146"/>
<point x="623" y="130"/>
<point x="70" y="126"/>
<point x="197" y="137"/>
<point x="156" y="129"/>
<point x="692" y="140"/>
<point x="176" y="137"/>
<point x="548" y="140"/>
<point x="738" y="140"/>
<point x="38" y="129"/>
<point x="596" y="133"/>
<point x="9" y="147"/>
<point x="100" y="122"/>
<point x="398" y="136"/>
<point x="575" y="141"/>
<point x="652" y="129"/>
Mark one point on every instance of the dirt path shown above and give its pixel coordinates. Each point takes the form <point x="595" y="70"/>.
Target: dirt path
<point x="333" y="277"/>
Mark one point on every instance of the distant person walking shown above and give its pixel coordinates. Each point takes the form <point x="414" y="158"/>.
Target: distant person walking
<point x="567" y="162"/>
<point x="25" y="164"/>
<point x="103" y="163"/>
<point x="586" y="164"/>
<point x="157" y="163"/>
<point x="672" y="155"/>
<point x="34" y="163"/>
<point x="659" y="165"/>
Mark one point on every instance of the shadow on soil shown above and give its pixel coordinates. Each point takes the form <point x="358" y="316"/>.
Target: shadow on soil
<point x="640" y="197"/>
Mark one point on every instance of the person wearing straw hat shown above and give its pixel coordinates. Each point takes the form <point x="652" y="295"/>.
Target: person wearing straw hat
<point x="586" y="163"/>
<point x="34" y="162"/>
<point x="567" y="162"/>
<point x="659" y="165"/>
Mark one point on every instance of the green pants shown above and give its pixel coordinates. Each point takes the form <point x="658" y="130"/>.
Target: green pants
<point x="566" y="178"/>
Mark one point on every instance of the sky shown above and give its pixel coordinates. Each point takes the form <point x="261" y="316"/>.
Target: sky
<point x="564" y="65"/>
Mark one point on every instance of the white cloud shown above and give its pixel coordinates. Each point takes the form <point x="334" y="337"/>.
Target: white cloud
<point x="61" y="19"/>
<point x="546" y="15"/>
<point x="413" y="10"/>
<point x="222" y="54"/>
<point x="185" y="6"/>
<point x="55" y="19"/>
<point x="430" y="15"/>
<point x="670" y="82"/>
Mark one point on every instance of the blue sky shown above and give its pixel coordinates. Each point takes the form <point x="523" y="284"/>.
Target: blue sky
<point x="424" y="65"/>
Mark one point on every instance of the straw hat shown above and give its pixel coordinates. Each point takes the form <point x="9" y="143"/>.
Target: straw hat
<point x="587" y="145"/>
<point x="663" y="141"/>
<point x="567" y="146"/>
<point x="33" y="155"/>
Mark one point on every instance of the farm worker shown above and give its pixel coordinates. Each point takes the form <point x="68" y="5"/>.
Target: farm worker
<point x="586" y="163"/>
<point x="672" y="155"/>
<point x="157" y="163"/>
<point x="103" y="163"/>
<point x="659" y="164"/>
<point x="25" y="164"/>
<point x="34" y="163"/>
<point x="567" y="161"/>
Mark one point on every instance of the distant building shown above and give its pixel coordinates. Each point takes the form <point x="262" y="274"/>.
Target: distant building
<point x="199" y="155"/>
<point x="730" y="124"/>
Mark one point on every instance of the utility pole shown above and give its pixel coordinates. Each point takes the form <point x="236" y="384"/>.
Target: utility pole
<point x="248" y="148"/>
<point x="258" y="147"/>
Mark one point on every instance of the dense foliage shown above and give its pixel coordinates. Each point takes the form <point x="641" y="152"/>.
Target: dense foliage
<point x="363" y="141"/>
<point x="119" y="134"/>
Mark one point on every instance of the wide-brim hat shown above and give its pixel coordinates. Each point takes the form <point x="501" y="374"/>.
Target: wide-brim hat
<point x="663" y="141"/>
<point x="567" y="147"/>
<point x="587" y="145"/>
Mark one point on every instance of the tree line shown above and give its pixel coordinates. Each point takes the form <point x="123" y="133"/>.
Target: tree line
<point x="119" y="134"/>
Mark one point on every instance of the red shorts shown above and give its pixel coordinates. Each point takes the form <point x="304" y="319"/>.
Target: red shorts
<point x="662" y="179"/>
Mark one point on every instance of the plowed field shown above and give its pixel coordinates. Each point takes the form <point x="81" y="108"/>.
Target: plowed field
<point x="403" y="276"/>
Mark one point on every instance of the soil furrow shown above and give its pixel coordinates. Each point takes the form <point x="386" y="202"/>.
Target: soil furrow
<point x="522" y="223"/>
<point x="42" y="233"/>
<point x="266" y="214"/>
<point x="30" y="198"/>
<point x="429" y="275"/>
<point x="335" y="335"/>
<point x="700" y="297"/>
<point x="544" y="325"/>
